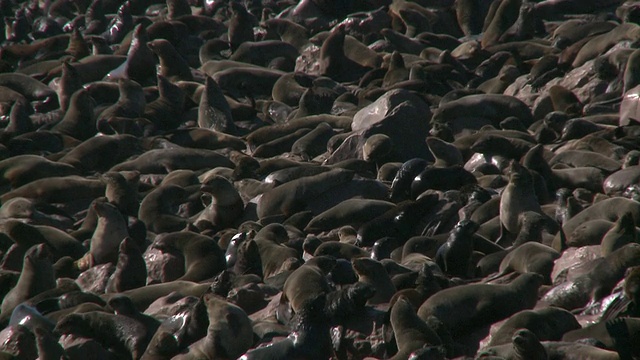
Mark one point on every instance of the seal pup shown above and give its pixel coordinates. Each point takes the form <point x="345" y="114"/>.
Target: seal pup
<point x="309" y="339"/>
<point x="454" y="256"/>
<point x="348" y="302"/>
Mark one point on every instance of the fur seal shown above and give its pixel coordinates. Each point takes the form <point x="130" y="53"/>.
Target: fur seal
<point x="597" y="283"/>
<point x="89" y="155"/>
<point x="248" y="259"/>
<point x="313" y="143"/>
<point x="131" y="270"/>
<point x="25" y="236"/>
<point x="411" y="332"/>
<point x="224" y="206"/>
<point x="518" y="197"/>
<point x="530" y="257"/>
<point x="122" y="191"/>
<point x="69" y="84"/>
<point x="340" y="250"/>
<point x="172" y="64"/>
<point x="273" y="253"/>
<point x="79" y="120"/>
<point x="163" y="161"/>
<point x="491" y="303"/>
<point x="333" y="61"/>
<point x="617" y="334"/>
<point x="130" y="104"/>
<point x="622" y="233"/>
<point x="398" y="222"/>
<point x="524" y="345"/>
<point x="549" y="323"/>
<point x="29" y="87"/>
<point x="291" y="197"/>
<point x="140" y="63"/>
<point x="165" y="112"/>
<point x="505" y="15"/>
<point x="203" y="258"/>
<point x="305" y="283"/>
<point x="609" y="209"/>
<point x="58" y="189"/>
<point x="352" y="212"/>
<point x="127" y="336"/>
<point x="156" y="209"/>
<point x="229" y="333"/>
<point x="372" y="272"/>
<point x="36" y="277"/>
<point x="109" y="233"/>
<point x="310" y="336"/>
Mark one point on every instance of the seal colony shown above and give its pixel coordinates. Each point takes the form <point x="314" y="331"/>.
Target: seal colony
<point x="314" y="179"/>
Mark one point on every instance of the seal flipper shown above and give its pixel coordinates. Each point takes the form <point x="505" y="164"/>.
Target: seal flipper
<point x="214" y="111"/>
<point x="617" y="329"/>
<point x="506" y="238"/>
<point x="284" y="312"/>
<point x="619" y="305"/>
